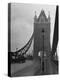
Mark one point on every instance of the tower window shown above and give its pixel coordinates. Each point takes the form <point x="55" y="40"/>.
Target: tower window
<point x="43" y="30"/>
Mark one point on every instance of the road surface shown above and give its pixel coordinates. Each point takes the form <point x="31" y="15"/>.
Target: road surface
<point x="35" y="69"/>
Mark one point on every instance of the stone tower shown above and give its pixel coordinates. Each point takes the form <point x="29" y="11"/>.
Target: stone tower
<point x="41" y="34"/>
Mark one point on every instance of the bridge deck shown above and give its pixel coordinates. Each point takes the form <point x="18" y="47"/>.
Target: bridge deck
<point x="35" y="69"/>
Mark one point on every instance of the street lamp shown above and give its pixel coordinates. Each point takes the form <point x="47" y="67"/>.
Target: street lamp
<point x="43" y="51"/>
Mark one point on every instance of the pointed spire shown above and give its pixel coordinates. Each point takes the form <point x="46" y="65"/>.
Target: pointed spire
<point x="35" y="17"/>
<point x="42" y="16"/>
<point x="42" y="10"/>
<point x="35" y="13"/>
<point x="49" y="16"/>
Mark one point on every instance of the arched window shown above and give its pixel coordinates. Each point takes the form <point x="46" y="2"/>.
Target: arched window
<point x="39" y="54"/>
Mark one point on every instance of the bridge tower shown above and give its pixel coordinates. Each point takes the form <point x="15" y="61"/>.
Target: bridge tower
<point x="41" y="34"/>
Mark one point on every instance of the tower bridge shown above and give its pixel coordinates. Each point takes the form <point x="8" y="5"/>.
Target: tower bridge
<point x="41" y="37"/>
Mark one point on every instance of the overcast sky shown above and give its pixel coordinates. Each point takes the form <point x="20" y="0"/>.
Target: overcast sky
<point x="22" y="19"/>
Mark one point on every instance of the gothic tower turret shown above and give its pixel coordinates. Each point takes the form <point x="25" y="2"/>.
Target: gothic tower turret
<point x="35" y="18"/>
<point x="49" y="17"/>
<point x="41" y="34"/>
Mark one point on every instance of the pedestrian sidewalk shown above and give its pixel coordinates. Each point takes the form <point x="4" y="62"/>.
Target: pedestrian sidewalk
<point x="19" y="66"/>
<point x="29" y="70"/>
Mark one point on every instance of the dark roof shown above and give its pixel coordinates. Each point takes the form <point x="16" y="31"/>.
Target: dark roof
<point x="42" y="13"/>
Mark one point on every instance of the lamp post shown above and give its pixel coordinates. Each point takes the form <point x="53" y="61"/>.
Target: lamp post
<point x="43" y="51"/>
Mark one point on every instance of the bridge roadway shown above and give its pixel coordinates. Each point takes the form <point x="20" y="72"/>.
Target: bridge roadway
<point x="35" y="69"/>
